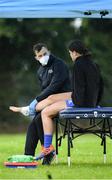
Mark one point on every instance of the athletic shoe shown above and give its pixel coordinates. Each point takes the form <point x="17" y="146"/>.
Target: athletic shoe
<point x="45" y="152"/>
<point x="49" y="158"/>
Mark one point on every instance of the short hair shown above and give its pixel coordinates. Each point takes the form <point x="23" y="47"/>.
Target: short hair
<point x="37" y="47"/>
<point x="78" y="46"/>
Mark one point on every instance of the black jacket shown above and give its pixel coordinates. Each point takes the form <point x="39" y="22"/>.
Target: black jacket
<point x="87" y="87"/>
<point x="54" y="78"/>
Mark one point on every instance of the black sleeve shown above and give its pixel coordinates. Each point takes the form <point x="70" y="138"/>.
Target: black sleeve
<point x="101" y="90"/>
<point x="78" y="84"/>
<point x="60" y="75"/>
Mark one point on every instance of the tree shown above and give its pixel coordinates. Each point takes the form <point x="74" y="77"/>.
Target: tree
<point x="17" y="66"/>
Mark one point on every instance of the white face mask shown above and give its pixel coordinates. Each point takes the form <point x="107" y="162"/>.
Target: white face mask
<point x="44" y="60"/>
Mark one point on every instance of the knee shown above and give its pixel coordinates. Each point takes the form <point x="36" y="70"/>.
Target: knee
<point x="44" y="112"/>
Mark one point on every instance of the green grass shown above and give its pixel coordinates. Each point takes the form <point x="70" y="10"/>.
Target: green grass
<point x="86" y="160"/>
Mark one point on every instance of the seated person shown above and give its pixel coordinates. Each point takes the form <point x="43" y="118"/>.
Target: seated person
<point x="87" y="90"/>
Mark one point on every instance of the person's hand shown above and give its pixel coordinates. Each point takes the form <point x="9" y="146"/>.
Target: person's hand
<point x="32" y="106"/>
<point x="24" y="110"/>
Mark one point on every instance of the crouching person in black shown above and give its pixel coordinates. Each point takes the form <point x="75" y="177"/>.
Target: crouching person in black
<point x="53" y="75"/>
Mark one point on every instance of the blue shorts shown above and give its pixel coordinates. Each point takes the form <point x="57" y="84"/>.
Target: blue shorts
<point x="69" y="103"/>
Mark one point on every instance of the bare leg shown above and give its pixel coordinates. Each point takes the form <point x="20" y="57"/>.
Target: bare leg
<point x="52" y="99"/>
<point x="48" y="113"/>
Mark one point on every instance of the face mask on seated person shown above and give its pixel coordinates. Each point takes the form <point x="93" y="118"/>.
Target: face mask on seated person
<point x="44" y="60"/>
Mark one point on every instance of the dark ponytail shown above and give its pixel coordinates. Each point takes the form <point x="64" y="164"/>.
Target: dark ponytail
<point x="86" y="52"/>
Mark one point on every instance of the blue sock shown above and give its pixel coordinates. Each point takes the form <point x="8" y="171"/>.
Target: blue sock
<point x="47" y="140"/>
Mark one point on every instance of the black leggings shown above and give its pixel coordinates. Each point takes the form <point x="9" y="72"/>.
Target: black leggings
<point x="34" y="134"/>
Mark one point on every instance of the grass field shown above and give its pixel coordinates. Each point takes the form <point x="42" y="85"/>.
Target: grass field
<point x="86" y="160"/>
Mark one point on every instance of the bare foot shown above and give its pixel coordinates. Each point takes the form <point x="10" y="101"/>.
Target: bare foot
<point x="15" y="109"/>
<point x="23" y="110"/>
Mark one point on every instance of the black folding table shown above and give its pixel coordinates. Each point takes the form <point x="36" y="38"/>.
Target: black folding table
<point x="100" y="125"/>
